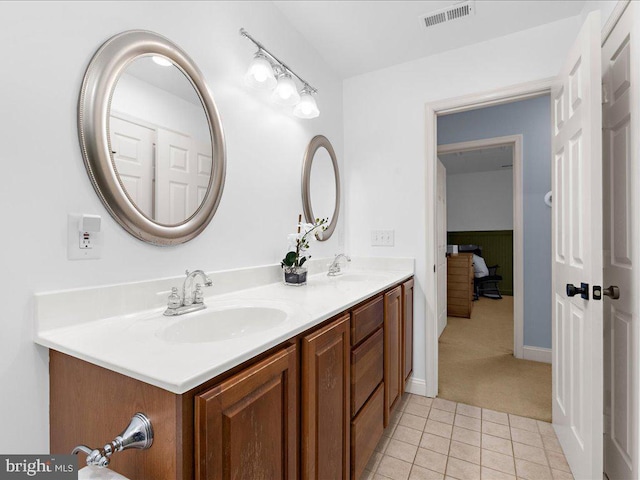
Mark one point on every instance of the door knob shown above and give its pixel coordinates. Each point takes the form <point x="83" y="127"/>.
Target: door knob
<point x="583" y="290"/>
<point x="613" y="292"/>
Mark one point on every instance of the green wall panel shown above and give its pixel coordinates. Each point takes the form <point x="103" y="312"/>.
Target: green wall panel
<point x="497" y="248"/>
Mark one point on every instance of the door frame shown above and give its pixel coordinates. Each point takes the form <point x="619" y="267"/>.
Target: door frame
<point x="464" y="103"/>
<point x="515" y="141"/>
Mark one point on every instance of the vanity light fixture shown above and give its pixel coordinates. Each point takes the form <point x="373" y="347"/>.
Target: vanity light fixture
<point x="163" y="62"/>
<point x="260" y="73"/>
<point x="265" y="68"/>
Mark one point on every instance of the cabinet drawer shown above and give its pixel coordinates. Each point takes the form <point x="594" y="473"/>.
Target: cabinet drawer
<point x="366" y="319"/>
<point x="366" y="431"/>
<point x="367" y="368"/>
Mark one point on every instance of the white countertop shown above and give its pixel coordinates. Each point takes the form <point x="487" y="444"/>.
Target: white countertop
<point x="128" y="340"/>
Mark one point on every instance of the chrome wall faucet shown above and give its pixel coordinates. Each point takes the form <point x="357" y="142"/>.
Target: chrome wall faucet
<point x="192" y="300"/>
<point x="334" y="267"/>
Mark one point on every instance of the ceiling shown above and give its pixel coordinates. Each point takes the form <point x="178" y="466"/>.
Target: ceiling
<point x="481" y="160"/>
<point x="356" y="37"/>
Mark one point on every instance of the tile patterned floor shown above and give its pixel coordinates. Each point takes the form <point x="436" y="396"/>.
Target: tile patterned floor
<point x="436" y="439"/>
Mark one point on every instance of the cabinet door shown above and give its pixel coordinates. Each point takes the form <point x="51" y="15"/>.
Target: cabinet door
<point x="325" y="402"/>
<point x="246" y="427"/>
<point x="392" y="350"/>
<point x="407" y="329"/>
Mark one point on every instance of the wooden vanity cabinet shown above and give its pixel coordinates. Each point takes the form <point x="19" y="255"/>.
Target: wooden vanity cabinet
<point x="325" y="416"/>
<point x="407" y="330"/>
<point x="314" y="406"/>
<point x="393" y="350"/>
<point x="247" y="426"/>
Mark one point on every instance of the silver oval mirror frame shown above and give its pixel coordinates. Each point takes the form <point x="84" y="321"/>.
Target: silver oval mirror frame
<point x="100" y="79"/>
<point x="319" y="141"/>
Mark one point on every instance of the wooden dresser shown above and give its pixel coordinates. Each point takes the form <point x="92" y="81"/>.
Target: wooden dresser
<point x="460" y="285"/>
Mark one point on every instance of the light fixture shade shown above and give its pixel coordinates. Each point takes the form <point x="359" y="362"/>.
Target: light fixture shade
<point x="260" y="73"/>
<point x="286" y="92"/>
<point x="307" y="106"/>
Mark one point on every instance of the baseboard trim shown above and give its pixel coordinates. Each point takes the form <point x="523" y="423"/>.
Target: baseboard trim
<point x="416" y="386"/>
<point x="537" y="354"/>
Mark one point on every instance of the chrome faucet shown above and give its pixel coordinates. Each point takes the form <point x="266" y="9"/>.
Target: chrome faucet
<point x="334" y="267"/>
<point x="192" y="300"/>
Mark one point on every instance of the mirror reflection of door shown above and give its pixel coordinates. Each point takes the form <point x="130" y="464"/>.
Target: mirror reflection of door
<point x="160" y="140"/>
<point x="323" y="185"/>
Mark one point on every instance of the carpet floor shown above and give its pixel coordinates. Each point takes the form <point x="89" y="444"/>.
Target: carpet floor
<point x="476" y="364"/>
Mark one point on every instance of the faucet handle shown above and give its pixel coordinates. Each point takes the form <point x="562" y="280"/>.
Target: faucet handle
<point x="198" y="296"/>
<point x="174" y="300"/>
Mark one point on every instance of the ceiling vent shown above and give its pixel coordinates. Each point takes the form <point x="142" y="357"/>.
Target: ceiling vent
<point x="454" y="12"/>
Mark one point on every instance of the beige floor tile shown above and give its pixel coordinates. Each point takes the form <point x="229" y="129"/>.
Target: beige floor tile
<point x="523" y="423"/>
<point x="403" y="451"/>
<point x="435" y="443"/>
<point x="441" y="416"/>
<point x="420" y="400"/>
<point x="413" y="421"/>
<point x="394" y="468"/>
<point x="462" y="470"/>
<point x="546" y="429"/>
<point x="465" y="452"/>
<point x="497" y="444"/>
<point x="469" y="411"/>
<point x="466" y="436"/>
<point x="417" y="409"/>
<point x="442" y="404"/>
<point x="388" y="432"/>
<point x="495" y="417"/>
<point x="377" y="476"/>
<point x="551" y="444"/>
<point x="408" y="435"/>
<point x="489" y="474"/>
<point x="468" y="423"/>
<point x="528" y="438"/>
<point x="532" y="471"/>
<point x="497" y="461"/>
<point x="431" y="460"/>
<point x="438" y="428"/>
<point x="421" y="473"/>
<point x="367" y="475"/>
<point x="496" y="429"/>
<point x="560" y="475"/>
<point x="382" y="444"/>
<point x="374" y="461"/>
<point x="557" y="461"/>
<point x="395" y="416"/>
<point x="527" y="452"/>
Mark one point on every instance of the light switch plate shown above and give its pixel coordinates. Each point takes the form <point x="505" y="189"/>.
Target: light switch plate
<point x="382" y="238"/>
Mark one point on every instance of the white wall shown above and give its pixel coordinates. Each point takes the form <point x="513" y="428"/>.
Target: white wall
<point x="47" y="46"/>
<point x="384" y="128"/>
<point x="480" y="201"/>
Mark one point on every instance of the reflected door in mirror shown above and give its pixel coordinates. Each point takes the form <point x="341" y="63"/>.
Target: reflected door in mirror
<point x="160" y="139"/>
<point x="323" y="185"/>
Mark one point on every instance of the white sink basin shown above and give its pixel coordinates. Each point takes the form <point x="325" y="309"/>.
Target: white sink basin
<point x="219" y="324"/>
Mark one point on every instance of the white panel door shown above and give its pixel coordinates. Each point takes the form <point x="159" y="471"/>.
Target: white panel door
<point x="577" y="253"/>
<point x="620" y="184"/>
<point x="441" y="235"/>
<point x="182" y="176"/>
<point x="132" y="146"/>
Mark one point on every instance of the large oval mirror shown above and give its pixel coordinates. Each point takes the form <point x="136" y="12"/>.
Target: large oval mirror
<point x="321" y="184"/>
<point x="151" y="138"/>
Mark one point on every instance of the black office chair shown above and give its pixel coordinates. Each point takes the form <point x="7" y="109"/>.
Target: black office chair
<point x="488" y="286"/>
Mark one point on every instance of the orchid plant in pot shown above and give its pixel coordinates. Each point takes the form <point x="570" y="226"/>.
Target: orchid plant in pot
<point x="292" y="263"/>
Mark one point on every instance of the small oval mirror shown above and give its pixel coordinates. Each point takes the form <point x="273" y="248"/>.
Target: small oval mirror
<point x="321" y="184"/>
